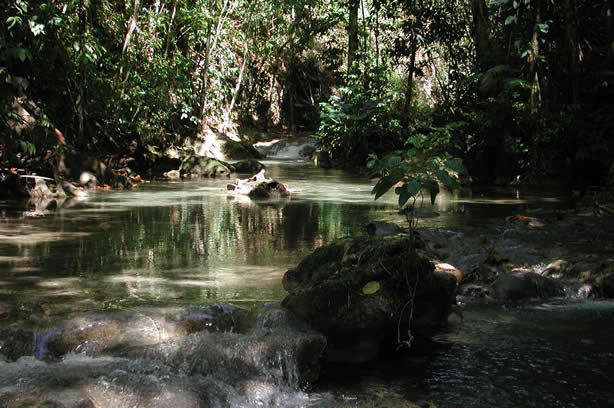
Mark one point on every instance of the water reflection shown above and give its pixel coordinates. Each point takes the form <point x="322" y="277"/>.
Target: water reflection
<point x="187" y="242"/>
<point x="192" y="242"/>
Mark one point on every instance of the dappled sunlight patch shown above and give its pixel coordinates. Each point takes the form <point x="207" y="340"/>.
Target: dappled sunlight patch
<point x="192" y="283"/>
<point x="507" y="201"/>
<point x="133" y="279"/>
<point x="36" y="237"/>
<point x="25" y="269"/>
<point x="14" y="259"/>
<point x="28" y="278"/>
<point x="64" y="292"/>
<point x="58" y="282"/>
<point x="249" y="276"/>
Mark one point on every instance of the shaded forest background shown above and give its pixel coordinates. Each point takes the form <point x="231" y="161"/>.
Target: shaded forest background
<point x="520" y="89"/>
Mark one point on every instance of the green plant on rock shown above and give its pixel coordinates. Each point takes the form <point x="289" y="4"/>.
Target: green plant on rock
<point x="413" y="173"/>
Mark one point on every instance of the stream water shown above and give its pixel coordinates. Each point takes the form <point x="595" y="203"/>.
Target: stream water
<point x="172" y="244"/>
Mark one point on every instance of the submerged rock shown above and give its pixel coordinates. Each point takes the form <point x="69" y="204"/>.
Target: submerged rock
<point x="96" y="333"/>
<point x="358" y="291"/>
<point x="523" y="285"/>
<point x="383" y="229"/>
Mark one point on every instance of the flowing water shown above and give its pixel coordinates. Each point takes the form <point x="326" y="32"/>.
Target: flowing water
<point x="167" y="245"/>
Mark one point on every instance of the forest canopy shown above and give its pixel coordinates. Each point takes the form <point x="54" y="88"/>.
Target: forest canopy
<point x="514" y="87"/>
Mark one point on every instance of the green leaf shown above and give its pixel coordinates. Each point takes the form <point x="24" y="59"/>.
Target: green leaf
<point x="456" y="165"/>
<point x="433" y="189"/>
<point x="408" y="190"/>
<point x="511" y="20"/>
<point x="13" y="21"/>
<point x="446" y="179"/>
<point x="371" y="288"/>
<point x="393" y="160"/>
<point x="386" y="183"/>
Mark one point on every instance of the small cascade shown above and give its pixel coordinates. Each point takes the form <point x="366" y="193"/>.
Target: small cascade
<point x="200" y="356"/>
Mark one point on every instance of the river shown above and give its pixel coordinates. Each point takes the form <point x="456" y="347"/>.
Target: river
<point x="170" y="244"/>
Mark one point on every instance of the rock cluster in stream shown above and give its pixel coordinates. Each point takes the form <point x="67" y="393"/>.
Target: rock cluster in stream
<point x="201" y="356"/>
<point x="530" y="257"/>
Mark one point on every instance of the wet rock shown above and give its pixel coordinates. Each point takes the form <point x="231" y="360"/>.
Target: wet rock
<point x="250" y="166"/>
<point x="384" y="229"/>
<point x="172" y="174"/>
<point x="259" y="186"/>
<point x="234" y="150"/>
<point x="271" y="189"/>
<point x="474" y="290"/>
<point x="11" y="186"/>
<point x="288" y="355"/>
<point x="357" y="291"/>
<point x="556" y="269"/>
<point x="96" y="333"/>
<point x="450" y="269"/>
<point x="195" y="166"/>
<point x="216" y="317"/>
<point x="125" y="178"/>
<point x="16" y="343"/>
<point x="524" y="285"/>
<point x="84" y="383"/>
<point x="307" y="151"/>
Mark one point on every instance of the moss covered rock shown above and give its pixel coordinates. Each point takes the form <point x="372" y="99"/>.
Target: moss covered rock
<point x="327" y="289"/>
<point x="250" y="166"/>
<point x="195" y="166"/>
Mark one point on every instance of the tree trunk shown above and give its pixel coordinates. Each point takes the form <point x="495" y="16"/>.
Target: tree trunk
<point x="353" y="35"/>
<point x="211" y="44"/>
<point x="481" y="35"/>
<point x="535" y="97"/>
<point x="609" y="21"/>
<point x="573" y="48"/>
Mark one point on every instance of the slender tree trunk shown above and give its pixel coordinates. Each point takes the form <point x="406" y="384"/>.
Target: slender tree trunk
<point x="239" y="80"/>
<point x="573" y="48"/>
<point x="609" y="22"/>
<point x="353" y="35"/>
<point x="535" y="97"/>
<point x="212" y="38"/>
<point x="170" y="28"/>
<point x="481" y="34"/>
<point x="409" y="93"/>
<point x="132" y="26"/>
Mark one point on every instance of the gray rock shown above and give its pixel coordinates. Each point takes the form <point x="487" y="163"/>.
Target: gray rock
<point x="524" y="285"/>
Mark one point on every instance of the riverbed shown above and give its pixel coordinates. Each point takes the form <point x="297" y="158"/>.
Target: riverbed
<point x="172" y="244"/>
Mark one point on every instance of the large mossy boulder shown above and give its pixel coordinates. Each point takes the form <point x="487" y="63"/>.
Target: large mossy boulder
<point x="196" y="166"/>
<point x="358" y="292"/>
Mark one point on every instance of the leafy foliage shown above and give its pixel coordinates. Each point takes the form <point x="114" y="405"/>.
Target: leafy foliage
<point x="414" y="173"/>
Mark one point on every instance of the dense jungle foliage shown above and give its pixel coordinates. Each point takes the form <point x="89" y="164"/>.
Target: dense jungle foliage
<point x="513" y="87"/>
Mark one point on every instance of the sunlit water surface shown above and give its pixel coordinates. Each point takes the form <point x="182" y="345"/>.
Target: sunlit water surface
<point x="191" y="242"/>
